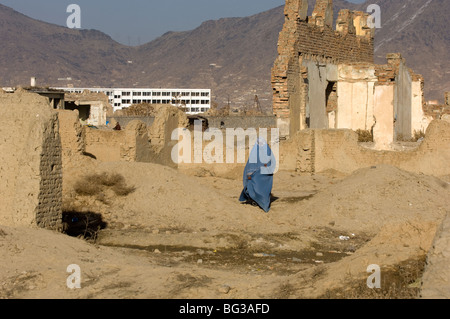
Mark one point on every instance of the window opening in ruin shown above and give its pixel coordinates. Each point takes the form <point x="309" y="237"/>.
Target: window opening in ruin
<point x="331" y="97"/>
<point x="331" y="103"/>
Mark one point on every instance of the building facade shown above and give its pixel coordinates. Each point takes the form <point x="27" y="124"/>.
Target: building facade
<point x="192" y="101"/>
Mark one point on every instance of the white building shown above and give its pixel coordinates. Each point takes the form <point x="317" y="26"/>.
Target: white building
<point x="194" y="101"/>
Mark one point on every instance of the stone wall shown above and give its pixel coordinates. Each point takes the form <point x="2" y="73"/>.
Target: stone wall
<point x="313" y="151"/>
<point x="30" y="162"/>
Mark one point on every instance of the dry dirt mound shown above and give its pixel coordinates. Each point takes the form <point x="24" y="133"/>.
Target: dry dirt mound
<point x="164" y="198"/>
<point x="373" y="197"/>
<point x="398" y="249"/>
<point x="360" y="204"/>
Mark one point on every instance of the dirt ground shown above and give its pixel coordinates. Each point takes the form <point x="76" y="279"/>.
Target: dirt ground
<point x="184" y="234"/>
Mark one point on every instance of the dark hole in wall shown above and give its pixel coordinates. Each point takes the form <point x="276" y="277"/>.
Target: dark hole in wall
<point x="86" y="225"/>
<point x="331" y="96"/>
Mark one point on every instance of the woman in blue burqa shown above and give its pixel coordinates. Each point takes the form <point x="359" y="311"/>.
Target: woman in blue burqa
<point x="258" y="176"/>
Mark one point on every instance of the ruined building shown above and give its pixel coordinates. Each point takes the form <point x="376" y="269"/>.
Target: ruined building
<point x="326" y="78"/>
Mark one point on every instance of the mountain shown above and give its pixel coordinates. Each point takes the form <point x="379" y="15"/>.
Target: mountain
<point x="232" y="56"/>
<point x="34" y="48"/>
<point x="419" y="30"/>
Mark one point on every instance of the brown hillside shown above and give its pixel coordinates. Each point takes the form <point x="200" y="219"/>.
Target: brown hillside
<point x="232" y="56"/>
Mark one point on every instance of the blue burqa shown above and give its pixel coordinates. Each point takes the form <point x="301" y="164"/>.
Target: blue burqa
<point x="258" y="175"/>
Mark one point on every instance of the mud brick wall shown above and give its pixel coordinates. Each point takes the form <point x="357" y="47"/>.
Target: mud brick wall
<point x="312" y="38"/>
<point x="129" y="145"/>
<point x="138" y="142"/>
<point x="340" y="150"/>
<point x="30" y="162"/>
<point x="49" y="209"/>
<point x="72" y="136"/>
<point x="104" y="145"/>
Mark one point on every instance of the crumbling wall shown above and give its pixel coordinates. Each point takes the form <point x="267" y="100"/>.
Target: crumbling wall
<point x="72" y="137"/>
<point x="138" y="142"/>
<point x="383" y="112"/>
<point x="306" y="42"/>
<point x="339" y="150"/>
<point x="167" y="119"/>
<point x="105" y="145"/>
<point x="98" y="103"/>
<point x="130" y="144"/>
<point x="30" y="161"/>
<point x="356" y="96"/>
<point x="420" y="120"/>
<point x="135" y="147"/>
<point x="385" y="99"/>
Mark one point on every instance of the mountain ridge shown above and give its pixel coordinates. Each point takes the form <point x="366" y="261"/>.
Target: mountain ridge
<point x="232" y="56"/>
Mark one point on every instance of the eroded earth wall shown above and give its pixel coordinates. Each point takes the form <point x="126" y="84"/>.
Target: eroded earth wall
<point x="314" y="151"/>
<point x="30" y="161"/>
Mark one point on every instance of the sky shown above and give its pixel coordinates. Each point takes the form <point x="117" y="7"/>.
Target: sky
<point x="135" y="22"/>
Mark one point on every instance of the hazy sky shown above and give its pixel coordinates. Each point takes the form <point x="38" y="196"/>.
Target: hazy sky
<point x="134" y="22"/>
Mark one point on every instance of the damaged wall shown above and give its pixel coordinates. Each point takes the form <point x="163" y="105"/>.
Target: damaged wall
<point x="355" y="90"/>
<point x="324" y="78"/>
<point x="384" y="99"/>
<point x="72" y="137"/>
<point x="138" y="142"/>
<point x="320" y="150"/>
<point x="95" y="105"/>
<point x="30" y="161"/>
<point x="308" y="46"/>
